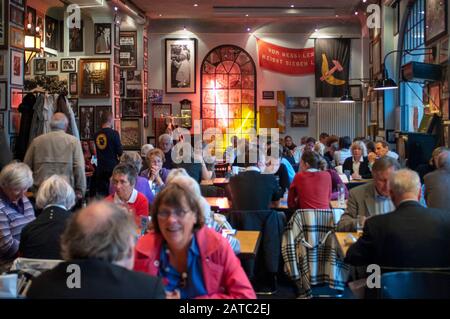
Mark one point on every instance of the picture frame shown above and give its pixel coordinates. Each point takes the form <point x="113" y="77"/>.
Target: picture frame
<point x="132" y="107"/>
<point x="356" y="92"/>
<point x="14" y="122"/>
<point x="73" y="83"/>
<point x="40" y="66"/>
<point x="299" y="119"/>
<point x="68" y="65"/>
<point x="180" y="65"/>
<point x="73" y="101"/>
<point x="3" y="63"/>
<point x="117" y="36"/>
<point x="52" y="65"/>
<point x="76" y="43"/>
<point x="298" y="102"/>
<point x="102" y="38"/>
<point x="30" y="18"/>
<point x="51" y="33"/>
<point x="435" y="20"/>
<point x="4" y="23"/>
<point x="94" y="82"/>
<point x="128" y="49"/>
<point x="131" y="134"/>
<point x="117" y="111"/>
<point x="99" y="109"/>
<point x="40" y="23"/>
<point x="16" y="16"/>
<point x="86" y="116"/>
<point x="380" y="110"/>
<point x="3" y="95"/>
<point x="17" y="37"/>
<point x="15" y="96"/>
<point x="17" y="67"/>
<point x="268" y="95"/>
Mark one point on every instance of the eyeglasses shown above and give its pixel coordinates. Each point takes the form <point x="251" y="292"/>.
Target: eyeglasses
<point x="179" y="213"/>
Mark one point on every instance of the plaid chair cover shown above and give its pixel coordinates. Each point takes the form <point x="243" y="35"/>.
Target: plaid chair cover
<point x="309" y="251"/>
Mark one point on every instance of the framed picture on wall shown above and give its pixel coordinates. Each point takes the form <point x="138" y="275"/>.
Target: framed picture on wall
<point x="132" y="108"/>
<point x="299" y="119"/>
<point x="73" y="83"/>
<point x="52" y="66"/>
<point x="181" y="57"/>
<point x="17" y="16"/>
<point x="4" y="24"/>
<point x="102" y="40"/>
<point x="86" y="122"/>
<point x="51" y="33"/>
<point x="99" y="110"/>
<point x="40" y="23"/>
<point x="68" y="65"/>
<point x="297" y="102"/>
<point x="131" y="134"/>
<point x="128" y="50"/>
<point x="76" y="38"/>
<point x="74" y="105"/>
<point x="17" y="37"/>
<point x="40" y="66"/>
<point x="3" y="95"/>
<point x="17" y="67"/>
<point x="94" y="78"/>
<point x="435" y="20"/>
<point x="30" y="18"/>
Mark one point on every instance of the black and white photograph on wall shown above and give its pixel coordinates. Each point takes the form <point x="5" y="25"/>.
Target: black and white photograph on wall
<point x="39" y="66"/>
<point x="51" y="33"/>
<point x="102" y="42"/>
<point x="128" y="50"/>
<point x="86" y="122"/>
<point x="132" y="108"/>
<point x="74" y="105"/>
<point x="30" y="20"/>
<point x="73" y="83"/>
<point x="94" y="82"/>
<point x="68" y="65"/>
<point x="17" y="16"/>
<point x="332" y="60"/>
<point x="3" y="95"/>
<point x="3" y="23"/>
<point x="76" y="39"/>
<point x="17" y="67"/>
<point x="180" y="65"/>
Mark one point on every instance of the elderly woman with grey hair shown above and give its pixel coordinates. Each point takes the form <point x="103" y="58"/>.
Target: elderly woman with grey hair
<point x="217" y="222"/>
<point x="142" y="185"/>
<point x="40" y="238"/>
<point x="16" y="210"/>
<point x="358" y="163"/>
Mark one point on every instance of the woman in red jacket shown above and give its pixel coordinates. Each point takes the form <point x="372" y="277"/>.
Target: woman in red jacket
<point x="194" y="261"/>
<point x="311" y="188"/>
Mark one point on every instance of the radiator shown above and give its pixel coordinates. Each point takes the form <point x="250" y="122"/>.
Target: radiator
<point x="336" y="118"/>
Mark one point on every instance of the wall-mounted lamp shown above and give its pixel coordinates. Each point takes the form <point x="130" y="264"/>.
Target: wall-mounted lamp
<point x="386" y="83"/>
<point x="347" y="98"/>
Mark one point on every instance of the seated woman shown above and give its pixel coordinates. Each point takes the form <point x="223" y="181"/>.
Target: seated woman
<point x="124" y="179"/>
<point x="358" y="164"/>
<point x="311" y="187"/>
<point x="16" y="210"/>
<point x="40" y="238"/>
<point x="218" y="222"/>
<point x="142" y="186"/>
<point x="336" y="181"/>
<point x="344" y="150"/>
<point x="279" y="169"/>
<point x="156" y="174"/>
<point x="193" y="260"/>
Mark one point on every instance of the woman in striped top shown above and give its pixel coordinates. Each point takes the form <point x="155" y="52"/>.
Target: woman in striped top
<point x="16" y="210"/>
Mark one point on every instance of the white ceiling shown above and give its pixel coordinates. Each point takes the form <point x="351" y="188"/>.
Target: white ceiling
<point x="271" y="16"/>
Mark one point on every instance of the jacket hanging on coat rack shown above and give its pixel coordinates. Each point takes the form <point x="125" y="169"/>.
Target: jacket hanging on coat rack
<point x="27" y="113"/>
<point x="63" y="106"/>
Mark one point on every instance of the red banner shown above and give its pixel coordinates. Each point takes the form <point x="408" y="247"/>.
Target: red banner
<point x="285" y="60"/>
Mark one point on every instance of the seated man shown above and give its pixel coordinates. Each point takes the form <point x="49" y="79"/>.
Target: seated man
<point x="381" y="150"/>
<point x="410" y="236"/>
<point x="437" y="183"/>
<point x="98" y="241"/>
<point x="371" y="198"/>
<point x="252" y="189"/>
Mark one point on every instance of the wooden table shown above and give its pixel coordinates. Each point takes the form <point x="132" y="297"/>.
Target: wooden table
<point x="335" y="204"/>
<point x="249" y="242"/>
<point x="222" y="181"/>
<point x="343" y="241"/>
<point x="218" y="202"/>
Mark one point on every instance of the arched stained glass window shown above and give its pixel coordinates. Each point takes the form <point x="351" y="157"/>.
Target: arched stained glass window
<point x="228" y="90"/>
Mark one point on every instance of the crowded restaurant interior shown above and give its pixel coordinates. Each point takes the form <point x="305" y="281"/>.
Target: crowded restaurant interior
<point x="265" y="149"/>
